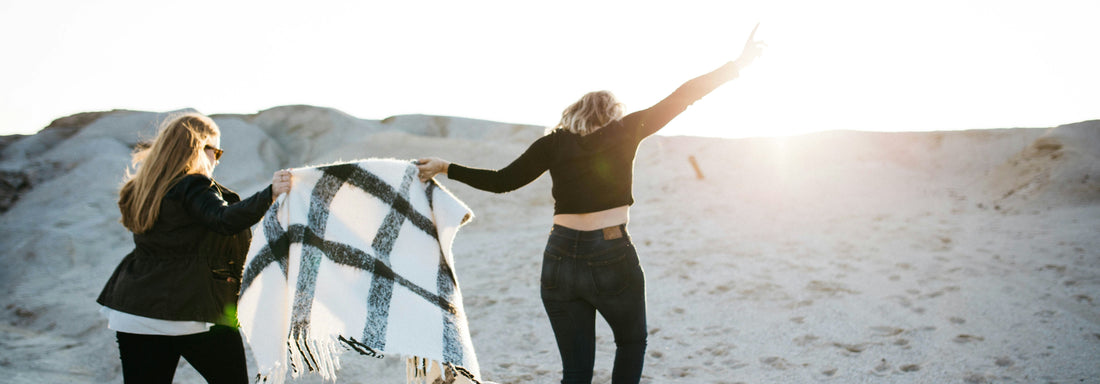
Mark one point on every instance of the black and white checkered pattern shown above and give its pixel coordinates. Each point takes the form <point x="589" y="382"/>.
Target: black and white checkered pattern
<point x="357" y="255"/>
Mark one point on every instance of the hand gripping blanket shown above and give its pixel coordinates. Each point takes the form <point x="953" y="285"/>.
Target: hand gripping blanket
<point x="358" y="257"/>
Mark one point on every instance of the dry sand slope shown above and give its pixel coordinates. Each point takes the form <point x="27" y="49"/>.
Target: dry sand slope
<point x="845" y="257"/>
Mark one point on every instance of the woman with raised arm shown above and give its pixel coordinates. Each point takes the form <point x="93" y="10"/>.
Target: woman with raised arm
<point x="590" y="263"/>
<point x="175" y="294"/>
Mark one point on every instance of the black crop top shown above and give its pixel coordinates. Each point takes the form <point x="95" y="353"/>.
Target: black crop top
<point x="594" y="172"/>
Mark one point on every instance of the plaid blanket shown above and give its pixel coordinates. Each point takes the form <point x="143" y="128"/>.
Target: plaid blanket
<point x="357" y="257"/>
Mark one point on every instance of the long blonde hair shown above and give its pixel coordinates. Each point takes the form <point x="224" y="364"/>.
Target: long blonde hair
<point x="176" y="151"/>
<point x="593" y="111"/>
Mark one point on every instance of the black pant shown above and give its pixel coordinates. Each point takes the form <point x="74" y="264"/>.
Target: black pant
<point x="588" y="271"/>
<point x="217" y="354"/>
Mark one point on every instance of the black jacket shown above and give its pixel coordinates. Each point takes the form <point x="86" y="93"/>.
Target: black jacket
<point x="188" y="266"/>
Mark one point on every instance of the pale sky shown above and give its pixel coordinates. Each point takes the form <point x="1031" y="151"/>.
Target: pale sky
<point x="863" y="65"/>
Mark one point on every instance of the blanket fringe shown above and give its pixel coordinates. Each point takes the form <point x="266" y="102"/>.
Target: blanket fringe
<point x="419" y="370"/>
<point x="321" y="356"/>
<point x="275" y="375"/>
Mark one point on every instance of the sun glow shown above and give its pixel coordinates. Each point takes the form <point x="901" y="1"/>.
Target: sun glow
<point x="884" y="66"/>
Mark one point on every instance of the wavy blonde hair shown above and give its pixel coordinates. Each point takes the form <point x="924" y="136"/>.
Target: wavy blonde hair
<point x="593" y="111"/>
<point x="177" y="150"/>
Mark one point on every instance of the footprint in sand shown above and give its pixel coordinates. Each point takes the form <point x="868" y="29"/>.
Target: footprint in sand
<point x="805" y="340"/>
<point x="944" y="243"/>
<point x="887" y="331"/>
<point x="722" y="349"/>
<point x="935" y="243"/>
<point x="902" y="301"/>
<point x="964" y="338"/>
<point x="1060" y="269"/>
<point x="974" y="378"/>
<point x="882" y="368"/>
<point x="734" y="364"/>
<point x="1045" y="315"/>
<point x="763" y="291"/>
<point x="945" y="290"/>
<point x="682" y="371"/>
<point x="776" y="362"/>
<point x="853" y="348"/>
<point x="829" y="288"/>
<point x="800" y="304"/>
<point x="720" y="289"/>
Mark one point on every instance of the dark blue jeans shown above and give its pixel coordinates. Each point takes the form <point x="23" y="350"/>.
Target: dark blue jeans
<point x="588" y="271"/>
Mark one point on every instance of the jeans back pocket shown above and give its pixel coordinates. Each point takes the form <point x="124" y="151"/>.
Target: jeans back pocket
<point x="613" y="271"/>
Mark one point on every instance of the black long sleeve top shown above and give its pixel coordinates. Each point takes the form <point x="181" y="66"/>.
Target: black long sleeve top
<point x="593" y="172"/>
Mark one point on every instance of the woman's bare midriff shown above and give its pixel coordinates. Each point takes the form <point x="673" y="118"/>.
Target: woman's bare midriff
<point x="594" y="220"/>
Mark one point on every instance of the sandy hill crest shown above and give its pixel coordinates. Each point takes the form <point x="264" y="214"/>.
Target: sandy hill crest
<point x="280" y="137"/>
<point x="1052" y="167"/>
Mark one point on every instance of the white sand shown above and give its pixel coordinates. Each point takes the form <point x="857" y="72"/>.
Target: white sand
<point x="846" y="257"/>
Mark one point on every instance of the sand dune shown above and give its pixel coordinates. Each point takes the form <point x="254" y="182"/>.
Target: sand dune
<point x="953" y="257"/>
<point x="1057" y="169"/>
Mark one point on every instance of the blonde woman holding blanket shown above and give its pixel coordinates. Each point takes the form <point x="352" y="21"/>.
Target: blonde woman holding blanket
<point x="590" y="264"/>
<point x="176" y="293"/>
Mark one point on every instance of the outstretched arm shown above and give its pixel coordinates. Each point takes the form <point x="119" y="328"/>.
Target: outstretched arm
<point x="648" y="121"/>
<point x="522" y="171"/>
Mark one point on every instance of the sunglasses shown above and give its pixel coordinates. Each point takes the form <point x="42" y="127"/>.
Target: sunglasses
<point x="217" y="152"/>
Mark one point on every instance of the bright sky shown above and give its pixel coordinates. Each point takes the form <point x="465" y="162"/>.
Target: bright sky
<point x="847" y="64"/>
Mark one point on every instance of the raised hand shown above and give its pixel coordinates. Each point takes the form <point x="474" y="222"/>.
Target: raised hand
<point x="752" y="50"/>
